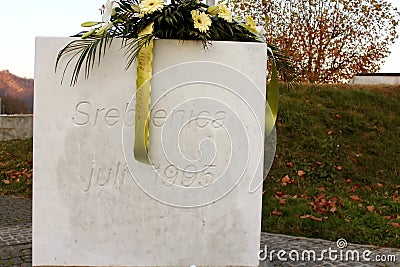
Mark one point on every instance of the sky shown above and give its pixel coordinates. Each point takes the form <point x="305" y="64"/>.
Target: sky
<point x="21" y="21"/>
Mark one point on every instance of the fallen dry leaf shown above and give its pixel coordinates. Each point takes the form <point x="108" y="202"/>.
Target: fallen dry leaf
<point x="275" y="212"/>
<point x="379" y="184"/>
<point x="330" y="132"/>
<point x="395" y="225"/>
<point x="301" y="173"/>
<point x="339" y="168"/>
<point x="286" y="180"/>
<point x="284" y="196"/>
<point x="318" y="163"/>
<point x="304" y="196"/>
<point x="290" y="164"/>
<point x="311" y="217"/>
<point x="356" y="198"/>
<point x="5" y="181"/>
<point x="279" y="194"/>
<point x="323" y="204"/>
<point x="370" y="208"/>
<point x="354" y="188"/>
<point x="282" y="202"/>
<point x="348" y="181"/>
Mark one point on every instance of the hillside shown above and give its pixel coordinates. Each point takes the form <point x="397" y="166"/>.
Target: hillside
<point x="14" y="90"/>
<point x="336" y="172"/>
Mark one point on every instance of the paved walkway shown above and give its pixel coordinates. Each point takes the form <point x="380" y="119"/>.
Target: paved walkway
<point x="15" y="231"/>
<point x="16" y="244"/>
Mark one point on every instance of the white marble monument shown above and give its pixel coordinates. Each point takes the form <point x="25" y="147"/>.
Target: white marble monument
<point x="198" y="203"/>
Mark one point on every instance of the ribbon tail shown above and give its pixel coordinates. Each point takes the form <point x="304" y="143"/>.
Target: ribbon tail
<point x="271" y="110"/>
<point x="143" y="92"/>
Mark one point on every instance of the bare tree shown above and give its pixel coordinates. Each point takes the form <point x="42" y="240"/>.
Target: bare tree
<point x="330" y="40"/>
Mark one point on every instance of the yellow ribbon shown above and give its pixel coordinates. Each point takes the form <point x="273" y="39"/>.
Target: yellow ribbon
<point x="143" y="91"/>
<point x="273" y="101"/>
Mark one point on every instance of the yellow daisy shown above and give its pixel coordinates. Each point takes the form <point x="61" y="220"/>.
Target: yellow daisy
<point x="201" y="20"/>
<point x="150" y="6"/>
<point x="224" y="13"/>
<point x="251" y="25"/>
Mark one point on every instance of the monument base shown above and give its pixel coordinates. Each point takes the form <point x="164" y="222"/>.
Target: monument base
<point x="197" y="203"/>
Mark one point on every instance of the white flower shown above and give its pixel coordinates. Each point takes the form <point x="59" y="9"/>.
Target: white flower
<point x="261" y="30"/>
<point x="107" y="10"/>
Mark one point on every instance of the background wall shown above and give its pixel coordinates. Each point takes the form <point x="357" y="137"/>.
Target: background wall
<point x="376" y="79"/>
<point x="16" y="127"/>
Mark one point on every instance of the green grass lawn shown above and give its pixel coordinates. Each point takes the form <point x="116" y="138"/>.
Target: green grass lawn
<point x="336" y="172"/>
<point x="16" y="168"/>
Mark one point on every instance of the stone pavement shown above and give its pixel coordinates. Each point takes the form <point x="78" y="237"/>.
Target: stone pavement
<point x="16" y="245"/>
<point x="15" y="231"/>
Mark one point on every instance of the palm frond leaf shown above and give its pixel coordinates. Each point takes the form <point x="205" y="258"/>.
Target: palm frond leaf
<point x="85" y="52"/>
<point x="285" y="65"/>
<point x="133" y="47"/>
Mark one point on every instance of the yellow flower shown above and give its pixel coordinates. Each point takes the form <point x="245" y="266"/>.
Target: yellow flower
<point x="259" y="31"/>
<point x="224" y="13"/>
<point x="150" y="6"/>
<point x="251" y="25"/>
<point x="201" y="20"/>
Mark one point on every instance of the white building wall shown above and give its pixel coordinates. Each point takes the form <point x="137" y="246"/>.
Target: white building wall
<point x="391" y="80"/>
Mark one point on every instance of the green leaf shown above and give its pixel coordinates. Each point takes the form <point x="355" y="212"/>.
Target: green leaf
<point x="90" y="23"/>
<point x="87" y="34"/>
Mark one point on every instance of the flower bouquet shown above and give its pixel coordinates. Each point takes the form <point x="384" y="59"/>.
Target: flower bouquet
<point x="140" y="22"/>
